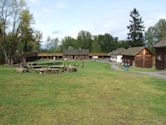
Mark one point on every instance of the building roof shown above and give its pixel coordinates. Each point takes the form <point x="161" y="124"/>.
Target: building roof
<point x="161" y="44"/>
<point x="98" y="54"/>
<point x="49" y="54"/>
<point x="133" y="51"/>
<point x="76" y="52"/>
<point x="118" y="51"/>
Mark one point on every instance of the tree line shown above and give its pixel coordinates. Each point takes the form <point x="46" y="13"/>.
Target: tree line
<point x="137" y="36"/>
<point x="85" y="40"/>
<point x="18" y="37"/>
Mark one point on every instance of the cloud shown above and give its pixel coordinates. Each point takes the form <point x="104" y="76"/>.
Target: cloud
<point x="57" y="32"/>
<point x="54" y="7"/>
<point x="60" y="5"/>
<point x="33" y="1"/>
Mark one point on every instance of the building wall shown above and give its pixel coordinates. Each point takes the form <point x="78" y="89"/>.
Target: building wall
<point x="128" y="60"/>
<point x="75" y="57"/>
<point x="113" y="58"/>
<point x="144" y="59"/>
<point x="119" y="59"/>
<point x="116" y="58"/>
<point x="161" y="58"/>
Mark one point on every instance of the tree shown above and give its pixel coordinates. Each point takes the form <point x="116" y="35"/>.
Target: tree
<point x="161" y="28"/>
<point x="84" y="40"/>
<point x="52" y="44"/>
<point x="69" y="42"/>
<point x="37" y="37"/>
<point x="10" y="20"/>
<point x="96" y="46"/>
<point x="123" y="44"/>
<point x="151" y="37"/>
<point x="136" y="29"/>
<point x="27" y="41"/>
<point x="155" y="33"/>
<point x="48" y="43"/>
<point x="107" y="42"/>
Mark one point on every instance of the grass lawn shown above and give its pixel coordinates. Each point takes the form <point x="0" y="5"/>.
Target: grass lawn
<point x="94" y="95"/>
<point x="137" y="69"/>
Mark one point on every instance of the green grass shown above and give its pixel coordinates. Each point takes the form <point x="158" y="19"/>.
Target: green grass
<point x="137" y="69"/>
<point x="94" y="95"/>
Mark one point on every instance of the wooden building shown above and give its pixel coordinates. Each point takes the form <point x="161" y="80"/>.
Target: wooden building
<point x="138" y="57"/>
<point x="55" y="56"/>
<point x="29" y="57"/>
<point x="99" y="56"/>
<point x="161" y="55"/>
<point x="116" y="55"/>
<point x="76" y="54"/>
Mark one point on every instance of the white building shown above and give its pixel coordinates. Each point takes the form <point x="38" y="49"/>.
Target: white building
<point x="116" y="55"/>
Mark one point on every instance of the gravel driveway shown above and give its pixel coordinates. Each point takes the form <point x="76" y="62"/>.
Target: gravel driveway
<point x="158" y="74"/>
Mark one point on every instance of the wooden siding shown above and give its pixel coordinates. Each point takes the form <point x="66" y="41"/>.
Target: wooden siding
<point x="161" y="58"/>
<point x="128" y="60"/>
<point x="76" y="57"/>
<point x="143" y="59"/>
<point x="49" y="54"/>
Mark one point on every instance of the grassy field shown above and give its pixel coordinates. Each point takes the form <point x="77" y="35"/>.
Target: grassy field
<point x="94" y="95"/>
<point x="137" y="69"/>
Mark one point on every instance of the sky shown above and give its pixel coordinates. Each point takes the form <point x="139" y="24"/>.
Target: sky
<point x="60" y="18"/>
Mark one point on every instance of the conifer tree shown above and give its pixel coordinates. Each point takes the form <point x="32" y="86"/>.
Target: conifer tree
<point x="136" y="29"/>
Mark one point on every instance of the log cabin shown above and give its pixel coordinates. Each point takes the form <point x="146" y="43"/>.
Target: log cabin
<point x="67" y="55"/>
<point x="138" y="57"/>
<point x="161" y="55"/>
<point x="54" y="56"/>
<point x="76" y="54"/>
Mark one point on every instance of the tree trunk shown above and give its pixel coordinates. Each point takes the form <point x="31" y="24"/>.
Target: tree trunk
<point x="6" y="57"/>
<point x="11" y="61"/>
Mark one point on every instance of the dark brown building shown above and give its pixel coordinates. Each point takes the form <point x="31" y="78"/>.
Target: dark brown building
<point x="138" y="57"/>
<point x="76" y="54"/>
<point x="161" y="55"/>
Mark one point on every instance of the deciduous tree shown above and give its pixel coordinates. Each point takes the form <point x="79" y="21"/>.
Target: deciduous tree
<point x="155" y="33"/>
<point x="10" y="19"/>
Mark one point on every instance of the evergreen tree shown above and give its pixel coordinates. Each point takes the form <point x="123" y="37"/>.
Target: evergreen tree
<point x="136" y="28"/>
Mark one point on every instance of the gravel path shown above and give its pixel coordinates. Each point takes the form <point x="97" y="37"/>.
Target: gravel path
<point x="158" y="74"/>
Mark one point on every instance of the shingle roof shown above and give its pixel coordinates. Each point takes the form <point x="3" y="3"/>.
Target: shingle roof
<point x="161" y="44"/>
<point x="76" y="52"/>
<point x="133" y="51"/>
<point x="118" y="51"/>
